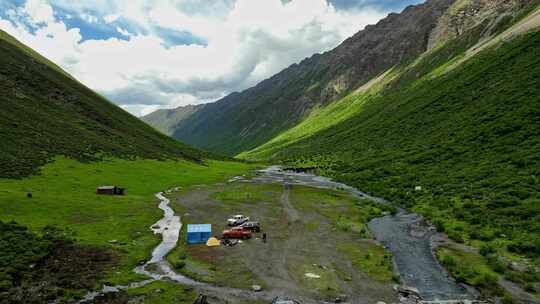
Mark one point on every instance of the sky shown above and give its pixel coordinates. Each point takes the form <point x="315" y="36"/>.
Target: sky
<point x="145" y="55"/>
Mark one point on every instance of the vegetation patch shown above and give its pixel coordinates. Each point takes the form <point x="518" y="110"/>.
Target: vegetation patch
<point x="323" y="279"/>
<point x="347" y="214"/>
<point x="370" y="259"/>
<point x="470" y="268"/>
<point x="246" y="193"/>
<point x="159" y="292"/>
<point x="40" y="267"/>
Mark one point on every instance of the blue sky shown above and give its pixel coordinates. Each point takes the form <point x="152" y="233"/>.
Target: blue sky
<point x="387" y="5"/>
<point x="151" y="54"/>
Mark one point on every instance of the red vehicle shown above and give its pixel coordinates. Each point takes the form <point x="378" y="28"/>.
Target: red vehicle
<point x="236" y="233"/>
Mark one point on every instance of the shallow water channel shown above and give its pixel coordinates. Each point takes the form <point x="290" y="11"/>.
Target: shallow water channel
<point x="402" y="234"/>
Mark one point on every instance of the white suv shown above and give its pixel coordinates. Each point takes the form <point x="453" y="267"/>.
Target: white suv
<point x="236" y="220"/>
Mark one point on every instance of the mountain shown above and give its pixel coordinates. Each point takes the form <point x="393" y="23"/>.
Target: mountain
<point x="46" y="112"/>
<point x="242" y="121"/>
<point x="453" y="135"/>
<point x="436" y="109"/>
<point x="166" y="120"/>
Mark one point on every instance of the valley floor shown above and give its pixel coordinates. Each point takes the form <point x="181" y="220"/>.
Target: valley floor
<point x="319" y="247"/>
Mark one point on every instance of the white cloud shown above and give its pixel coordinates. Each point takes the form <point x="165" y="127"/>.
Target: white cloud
<point x="123" y="32"/>
<point x="246" y="41"/>
<point x="39" y="11"/>
<point x="111" y="18"/>
<point x="89" y="18"/>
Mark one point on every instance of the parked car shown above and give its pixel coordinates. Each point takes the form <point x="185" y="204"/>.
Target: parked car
<point x="282" y="300"/>
<point x="236" y="220"/>
<point x="251" y="226"/>
<point x="236" y="233"/>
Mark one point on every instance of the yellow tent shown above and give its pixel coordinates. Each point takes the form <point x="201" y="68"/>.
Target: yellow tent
<point x="212" y="242"/>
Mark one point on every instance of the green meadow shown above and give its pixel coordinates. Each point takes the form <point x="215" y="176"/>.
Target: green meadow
<point x="64" y="194"/>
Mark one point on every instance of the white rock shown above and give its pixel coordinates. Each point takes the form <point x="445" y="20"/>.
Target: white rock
<point x="312" y="275"/>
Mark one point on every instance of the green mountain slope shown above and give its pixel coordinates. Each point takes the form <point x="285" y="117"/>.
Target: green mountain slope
<point x="45" y="112"/>
<point x="242" y="121"/>
<point x="466" y="132"/>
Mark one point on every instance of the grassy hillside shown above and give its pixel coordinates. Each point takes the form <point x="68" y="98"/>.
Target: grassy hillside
<point x="468" y="136"/>
<point x="45" y="113"/>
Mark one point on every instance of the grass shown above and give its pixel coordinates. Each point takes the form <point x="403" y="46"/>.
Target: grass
<point x="346" y="213"/>
<point x="64" y="195"/>
<point x="370" y="259"/>
<point x="164" y="292"/>
<point x="349" y="215"/>
<point x="470" y="268"/>
<point x="245" y="193"/>
<point x="327" y="284"/>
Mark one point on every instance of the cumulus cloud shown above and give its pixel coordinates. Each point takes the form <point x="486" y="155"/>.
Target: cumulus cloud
<point x="111" y="18"/>
<point x="245" y="41"/>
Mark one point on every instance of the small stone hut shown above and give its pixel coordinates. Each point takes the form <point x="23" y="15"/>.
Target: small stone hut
<point x="110" y="190"/>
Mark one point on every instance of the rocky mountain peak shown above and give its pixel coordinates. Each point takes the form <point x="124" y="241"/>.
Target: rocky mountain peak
<point x="464" y="15"/>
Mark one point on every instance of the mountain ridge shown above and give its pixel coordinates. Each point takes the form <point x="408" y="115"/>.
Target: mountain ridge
<point x="281" y="101"/>
<point x="166" y="120"/>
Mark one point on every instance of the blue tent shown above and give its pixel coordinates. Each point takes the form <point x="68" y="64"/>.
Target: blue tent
<point x="198" y="233"/>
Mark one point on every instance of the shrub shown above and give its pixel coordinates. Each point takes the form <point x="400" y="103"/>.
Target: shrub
<point x="529" y="288"/>
<point x="179" y="265"/>
<point x="439" y="224"/>
<point x="507" y="299"/>
<point x="496" y="265"/>
<point x="449" y="261"/>
<point x="487" y="249"/>
<point x="485" y="280"/>
<point x="183" y="255"/>
<point x="456" y="236"/>
<point x="343" y="225"/>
